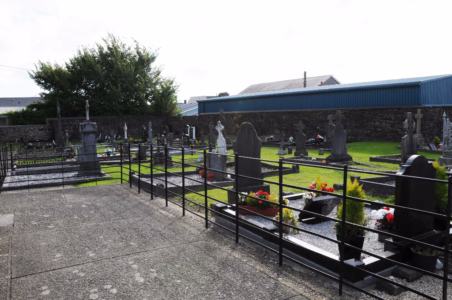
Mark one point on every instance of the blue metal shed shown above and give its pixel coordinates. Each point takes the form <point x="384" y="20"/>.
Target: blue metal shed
<point x="422" y="91"/>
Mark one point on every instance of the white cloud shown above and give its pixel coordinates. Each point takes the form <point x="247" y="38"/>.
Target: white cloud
<point x="212" y="46"/>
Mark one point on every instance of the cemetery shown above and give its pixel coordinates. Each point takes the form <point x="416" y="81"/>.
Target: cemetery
<point x="368" y="214"/>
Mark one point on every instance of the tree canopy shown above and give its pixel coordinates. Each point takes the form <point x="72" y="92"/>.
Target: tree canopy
<point x="116" y="78"/>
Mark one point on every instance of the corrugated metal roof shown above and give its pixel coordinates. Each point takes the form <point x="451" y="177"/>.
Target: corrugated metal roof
<point x="334" y="88"/>
<point x="188" y="109"/>
<point x="196" y="98"/>
<point x="288" y="84"/>
<point x="16" y="103"/>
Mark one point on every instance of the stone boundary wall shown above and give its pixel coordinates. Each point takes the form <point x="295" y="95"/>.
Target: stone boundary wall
<point x="366" y="124"/>
<point x="30" y="132"/>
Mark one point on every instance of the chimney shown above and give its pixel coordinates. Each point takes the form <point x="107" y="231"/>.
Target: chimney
<point x="223" y="94"/>
<point x="304" y="81"/>
<point x="321" y="82"/>
<point x="185" y="101"/>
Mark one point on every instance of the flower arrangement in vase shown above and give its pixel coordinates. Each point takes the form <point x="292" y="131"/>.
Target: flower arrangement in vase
<point x="288" y="218"/>
<point x="263" y="205"/>
<point x="211" y="177"/>
<point x="319" y="185"/>
<point x="384" y="221"/>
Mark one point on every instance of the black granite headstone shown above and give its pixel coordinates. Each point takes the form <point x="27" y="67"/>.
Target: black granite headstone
<point x="301" y="140"/>
<point x="418" y="194"/>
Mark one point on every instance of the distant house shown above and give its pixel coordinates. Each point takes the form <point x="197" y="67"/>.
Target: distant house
<point x="16" y="103"/>
<point x="290" y="84"/>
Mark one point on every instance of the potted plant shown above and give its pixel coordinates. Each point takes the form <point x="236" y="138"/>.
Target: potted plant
<point x="265" y="208"/>
<point x="288" y="218"/>
<point x="202" y="173"/>
<point x="436" y="141"/>
<point x="424" y="258"/>
<point x="211" y="177"/>
<point x="384" y="221"/>
<point x="354" y="214"/>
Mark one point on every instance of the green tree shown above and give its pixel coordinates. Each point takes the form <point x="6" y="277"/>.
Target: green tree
<point x="116" y="78"/>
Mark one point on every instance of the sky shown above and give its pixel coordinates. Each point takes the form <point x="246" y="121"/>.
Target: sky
<point x="212" y="46"/>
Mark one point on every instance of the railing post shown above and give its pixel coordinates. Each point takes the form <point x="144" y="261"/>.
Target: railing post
<point x="446" y="246"/>
<point x="205" y="188"/>
<point x="130" y="168"/>
<point x="344" y="213"/>
<point x="11" y="151"/>
<point x="139" y="169"/>
<point x="280" y="169"/>
<point x="236" y="163"/>
<point x="152" y="172"/>
<point x="166" y="175"/>
<point x="183" y="181"/>
<point x="120" y="157"/>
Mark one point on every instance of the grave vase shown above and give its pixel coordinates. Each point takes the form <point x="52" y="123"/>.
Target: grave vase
<point x="354" y="240"/>
<point x="424" y="262"/>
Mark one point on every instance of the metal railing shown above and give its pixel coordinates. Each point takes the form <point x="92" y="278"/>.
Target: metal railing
<point x="183" y="163"/>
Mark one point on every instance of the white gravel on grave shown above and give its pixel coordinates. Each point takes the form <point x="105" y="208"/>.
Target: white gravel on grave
<point x="371" y="242"/>
<point x="24" y="180"/>
<point x="177" y="180"/>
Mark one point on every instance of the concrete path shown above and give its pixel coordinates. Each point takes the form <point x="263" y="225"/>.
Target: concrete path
<point x="109" y="242"/>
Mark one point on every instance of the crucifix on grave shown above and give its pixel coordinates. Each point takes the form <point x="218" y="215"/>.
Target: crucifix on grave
<point x="328" y="130"/>
<point x="419" y="116"/>
<point x="300" y="140"/>
<point x="339" y="142"/>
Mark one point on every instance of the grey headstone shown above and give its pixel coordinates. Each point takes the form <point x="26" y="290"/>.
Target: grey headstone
<point x="328" y="133"/>
<point x="417" y="194"/>
<point x="281" y="150"/>
<point x="88" y="151"/>
<point x="217" y="162"/>
<point x="300" y="139"/>
<point x="409" y="141"/>
<point x="339" y="142"/>
<point x="248" y="144"/>
<point x="170" y="139"/>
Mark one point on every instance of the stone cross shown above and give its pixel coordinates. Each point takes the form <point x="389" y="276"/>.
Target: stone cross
<point x="300" y="126"/>
<point x="418" y="117"/>
<point x="338" y="117"/>
<point x="125" y="131"/>
<point x="87" y="110"/>
<point x="300" y="139"/>
<point x="409" y="141"/>
<point x="409" y="123"/>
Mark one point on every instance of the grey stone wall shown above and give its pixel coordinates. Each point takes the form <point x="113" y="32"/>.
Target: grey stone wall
<point x="30" y="132"/>
<point x="377" y="124"/>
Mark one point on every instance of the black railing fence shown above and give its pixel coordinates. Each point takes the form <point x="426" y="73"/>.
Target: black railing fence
<point x="149" y="167"/>
<point x="153" y="169"/>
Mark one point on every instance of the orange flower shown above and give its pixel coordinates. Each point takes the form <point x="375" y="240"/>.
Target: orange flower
<point x="332" y="228"/>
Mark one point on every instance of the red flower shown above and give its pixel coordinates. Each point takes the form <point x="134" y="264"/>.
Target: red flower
<point x="390" y="218"/>
<point x="387" y="208"/>
<point x="332" y="190"/>
<point x="260" y="201"/>
<point x="325" y="184"/>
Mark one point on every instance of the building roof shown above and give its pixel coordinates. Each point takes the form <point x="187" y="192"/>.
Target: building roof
<point x="196" y="98"/>
<point x="336" y="87"/>
<point x="16" y="103"/>
<point x="289" y="84"/>
<point x="188" y="109"/>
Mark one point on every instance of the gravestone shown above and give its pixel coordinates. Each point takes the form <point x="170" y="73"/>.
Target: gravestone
<point x="409" y="141"/>
<point x="202" y="138"/>
<point x="150" y="132"/>
<point x="339" y="142"/>
<point x="170" y="139"/>
<point x="218" y="161"/>
<point x="112" y="135"/>
<point x="144" y="135"/>
<point x="142" y="152"/>
<point x="248" y="144"/>
<point x="67" y="138"/>
<point x="211" y="136"/>
<point x="59" y="137"/>
<point x="323" y="205"/>
<point x="225" y="133"/>
<point x="125" y="132"/>
<point x="300" y="140"/>
<point x="87" y="154"/>
<point x="328" y="133"/>
<point x="433" y="146"/>
<point x="417" y="194"/>
<point x="418" y="135"/>
<point x="159" y="157"/>
<point x="446" y="159"/>
<point x="281" y="150"/>
<point x="221" y="142"/>
<point x="193" y="133"/>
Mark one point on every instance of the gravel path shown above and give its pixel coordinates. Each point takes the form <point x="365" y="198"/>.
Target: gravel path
<point x="177" y="180"/>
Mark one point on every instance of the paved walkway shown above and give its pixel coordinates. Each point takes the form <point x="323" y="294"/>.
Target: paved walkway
<point x="108" y="242"/>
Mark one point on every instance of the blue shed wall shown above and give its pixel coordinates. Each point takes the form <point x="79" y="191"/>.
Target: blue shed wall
<point x="437" y="92"/>
<point x="356" y="98"/>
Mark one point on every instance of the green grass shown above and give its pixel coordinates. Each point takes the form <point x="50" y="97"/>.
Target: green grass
<point x="360" y="151"/>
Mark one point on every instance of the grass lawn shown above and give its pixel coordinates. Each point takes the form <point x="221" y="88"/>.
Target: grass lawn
<point x="360" y="151"/>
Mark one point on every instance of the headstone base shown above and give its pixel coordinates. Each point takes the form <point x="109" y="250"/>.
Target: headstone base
<point x="254" y="189"/>
<point x="432" y="237"/>
<point x="323" y="205"/>
<point x="342" y="158"/>
<point x="282" y="152"/>
<point x="445" y="161"/>
<point x="89" y="169"/>
<point x="301" y="153"/>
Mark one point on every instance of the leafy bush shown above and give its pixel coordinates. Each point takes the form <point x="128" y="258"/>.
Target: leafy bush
<point x="289" y="218"/>
<point x="354" y="212"/>
<point x="440" y="188"/>
<point x="436" y="140"/>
